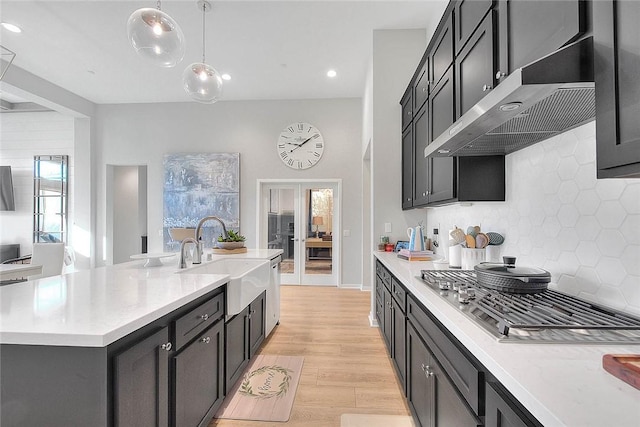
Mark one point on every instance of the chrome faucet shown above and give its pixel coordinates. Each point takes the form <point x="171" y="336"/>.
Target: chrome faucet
<point x="183" y="263"/>
<point x="197" y="254"/>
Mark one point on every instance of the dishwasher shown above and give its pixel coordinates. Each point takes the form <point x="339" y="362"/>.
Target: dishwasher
<point x="273" y="296"/>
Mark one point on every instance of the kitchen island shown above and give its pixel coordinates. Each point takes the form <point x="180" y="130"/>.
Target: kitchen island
<point x="559" y="384"/>
<point x="68" y="343"/>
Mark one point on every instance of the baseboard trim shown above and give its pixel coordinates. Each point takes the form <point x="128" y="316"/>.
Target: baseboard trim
<point x="373" y="322"/>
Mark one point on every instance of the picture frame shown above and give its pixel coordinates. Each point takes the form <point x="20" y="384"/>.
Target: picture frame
<point x="401" y="244"/>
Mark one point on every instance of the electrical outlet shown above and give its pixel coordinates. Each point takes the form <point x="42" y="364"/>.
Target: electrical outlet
<point x="161" y="232"/>
<point x="387" y="227"/>
<point x="346" y="233"/>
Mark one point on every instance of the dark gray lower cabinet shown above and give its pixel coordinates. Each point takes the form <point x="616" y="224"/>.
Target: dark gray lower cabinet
<point x="430" y="393"/>
<point x="237" y="347"/>
<point x="141" y="383"/>
<point x="499" y="413"/>
<point x="256" y="324"/>
<point x="244" y="333"/>
<point x="199" y="373"/>
<point x="398" y="336"/>
<point x="387" y="321"/>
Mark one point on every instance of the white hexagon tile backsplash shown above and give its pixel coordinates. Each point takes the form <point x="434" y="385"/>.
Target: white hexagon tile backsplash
<point x="559" y="217"/>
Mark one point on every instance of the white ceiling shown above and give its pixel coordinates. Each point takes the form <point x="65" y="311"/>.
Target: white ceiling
<point x="272" y="49"/>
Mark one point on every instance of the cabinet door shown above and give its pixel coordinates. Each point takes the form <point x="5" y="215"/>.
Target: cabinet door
<point x="617" y="47"/>
<point x="236" y="336"/>
<point x="419" y="389"/>
<point x="450" y="408"/>
<point x="530" y="30"/>
<point x="442" y="105"/>
<point x="399" y="343"/>
<point x="199" y="373"/>
<point x="443" y="179"/>
<point x="407" y="168"/>
<point x="499" y="413"/>
<point x="387" y="322"/>
<point x="421" y="87"/>
<point x="256" y="324"/>
<point x="475" y="66"/>
<point x="407" y="107"/>
<point x="141" y="387"/>
<point x="468" y="15"/>
<point x="421" y="164"/>
<point x="441" y="54"/>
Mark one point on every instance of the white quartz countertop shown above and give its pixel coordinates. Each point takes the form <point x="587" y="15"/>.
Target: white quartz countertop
<point x="560" y="384"/>
<point x="93" y="308"/>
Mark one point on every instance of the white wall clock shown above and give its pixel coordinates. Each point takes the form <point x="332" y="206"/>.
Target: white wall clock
<point x="300" y="145"/>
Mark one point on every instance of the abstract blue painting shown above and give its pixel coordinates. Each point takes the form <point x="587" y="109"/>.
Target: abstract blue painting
<point x="198" y="185"/>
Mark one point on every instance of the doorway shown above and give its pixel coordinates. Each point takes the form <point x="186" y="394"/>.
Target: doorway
<point x="126" y="212"/>
<point x="302" y="219"/>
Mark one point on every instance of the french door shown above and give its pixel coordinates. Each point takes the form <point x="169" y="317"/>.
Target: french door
<point x="301" y="218"/>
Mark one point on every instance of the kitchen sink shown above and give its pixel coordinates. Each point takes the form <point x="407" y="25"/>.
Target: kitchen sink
<point x="248" y="279"/>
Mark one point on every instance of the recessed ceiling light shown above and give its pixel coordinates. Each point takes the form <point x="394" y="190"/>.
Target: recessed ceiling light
<point x="226" y="76"/>
<point x="11" y="27"/>
<point x="331" y="73"/>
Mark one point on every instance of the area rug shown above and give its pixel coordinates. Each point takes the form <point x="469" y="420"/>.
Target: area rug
<point x="266" y="391"/>
<point x="368" y="420"/>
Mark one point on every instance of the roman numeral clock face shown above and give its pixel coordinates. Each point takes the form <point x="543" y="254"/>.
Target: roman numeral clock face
<point x="300" y="145"/>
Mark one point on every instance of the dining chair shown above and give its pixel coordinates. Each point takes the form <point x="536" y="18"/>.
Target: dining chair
<point x="50" y="256"/>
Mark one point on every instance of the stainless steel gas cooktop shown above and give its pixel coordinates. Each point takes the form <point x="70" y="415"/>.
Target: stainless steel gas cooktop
<point x="545" y="317"/>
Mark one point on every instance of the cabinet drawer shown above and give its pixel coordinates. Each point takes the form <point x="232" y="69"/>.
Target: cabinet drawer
<point x="197" y="320"/>
<point x="399" y="294"/>
<point x="467" y="378"/>
<point x="384" y="274"/>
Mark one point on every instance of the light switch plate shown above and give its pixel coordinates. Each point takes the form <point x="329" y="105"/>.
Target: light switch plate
<point x="346" y="233"/>
<point x="387" y="227"/>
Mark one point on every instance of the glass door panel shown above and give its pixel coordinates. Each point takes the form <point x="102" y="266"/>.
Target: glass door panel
<point x="300" y="221"/>
<point x="281" y="229"/>
<point x="319" y="238"/>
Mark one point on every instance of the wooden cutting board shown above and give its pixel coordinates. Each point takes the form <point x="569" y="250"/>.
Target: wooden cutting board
<point x="623" y="366"/>
<point x="219" y="251"/>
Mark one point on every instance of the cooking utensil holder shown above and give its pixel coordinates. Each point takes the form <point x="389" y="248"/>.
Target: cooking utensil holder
<point x="471" y="257"/>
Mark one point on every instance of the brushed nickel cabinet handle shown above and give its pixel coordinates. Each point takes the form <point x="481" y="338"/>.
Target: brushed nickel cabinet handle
<point x="166" y="346"/>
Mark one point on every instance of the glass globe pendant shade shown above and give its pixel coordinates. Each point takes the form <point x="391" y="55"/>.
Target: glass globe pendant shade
<point x="202" y="83"/>
<point x="156" y="37"/>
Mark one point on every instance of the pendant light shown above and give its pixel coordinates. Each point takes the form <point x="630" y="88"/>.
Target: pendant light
<point x="201" y="81"/>
<point x="156" y="36"/>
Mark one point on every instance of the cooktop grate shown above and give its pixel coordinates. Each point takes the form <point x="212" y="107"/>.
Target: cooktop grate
<point x="548" y="316"/>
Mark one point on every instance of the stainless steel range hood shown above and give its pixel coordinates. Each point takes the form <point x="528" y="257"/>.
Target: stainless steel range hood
<point x="535" y="102"/>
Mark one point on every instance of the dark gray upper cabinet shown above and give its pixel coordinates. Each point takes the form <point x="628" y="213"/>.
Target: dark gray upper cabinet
<point x="616" y="39"/>
<point x="407" y="168"/>
<point x="421" y="88"/>
<point x="468" y="15"/>
<point x="529" y="30"/>
<point x="421" y="164"/>
<point x="442" y="106"/>
<point x="441" y="52"/>
<point x="407" y="107"/>
<point x="475" y="67"/>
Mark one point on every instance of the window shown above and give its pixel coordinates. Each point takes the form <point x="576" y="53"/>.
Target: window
<point x="50" y="198"/>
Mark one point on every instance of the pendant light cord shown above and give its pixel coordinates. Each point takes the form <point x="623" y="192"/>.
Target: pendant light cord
<point x="204" y="9"/>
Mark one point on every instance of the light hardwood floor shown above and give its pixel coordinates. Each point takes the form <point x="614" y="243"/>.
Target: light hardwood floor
<point x="346" y="368"/>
